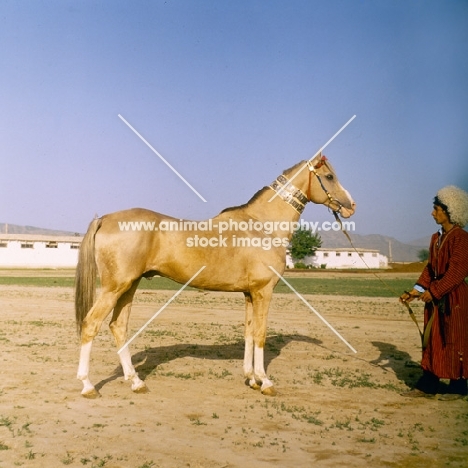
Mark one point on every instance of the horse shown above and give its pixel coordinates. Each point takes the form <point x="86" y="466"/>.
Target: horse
<point x="242" y="249"/>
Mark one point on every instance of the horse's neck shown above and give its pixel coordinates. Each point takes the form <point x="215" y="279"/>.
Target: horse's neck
<point x="268" y="207"/>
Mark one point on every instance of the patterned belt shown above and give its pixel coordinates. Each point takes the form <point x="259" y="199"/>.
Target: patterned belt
<point x="289" y="193"/>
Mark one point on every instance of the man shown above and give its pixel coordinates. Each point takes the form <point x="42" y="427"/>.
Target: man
<point x="443" y="289"/>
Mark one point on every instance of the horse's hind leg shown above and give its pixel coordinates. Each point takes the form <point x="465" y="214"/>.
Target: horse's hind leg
<point x="118" y="326"/>
<point x="89" y="329"/>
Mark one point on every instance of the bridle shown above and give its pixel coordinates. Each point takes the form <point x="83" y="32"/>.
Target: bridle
<point x="296" y="197"/>
<point x="313" y="170"/>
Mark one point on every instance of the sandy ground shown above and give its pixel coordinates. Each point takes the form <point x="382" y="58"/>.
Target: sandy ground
<point x="333" y="408"/>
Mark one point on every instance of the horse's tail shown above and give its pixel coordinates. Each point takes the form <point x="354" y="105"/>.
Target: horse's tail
<point x="85" y="276"/>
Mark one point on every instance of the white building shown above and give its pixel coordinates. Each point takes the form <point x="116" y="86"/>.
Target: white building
<point x="343" y="258"/>
<point x="38" y="251"/>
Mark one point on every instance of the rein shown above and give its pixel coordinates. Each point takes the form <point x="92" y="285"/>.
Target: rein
<point x="297" y="199"/>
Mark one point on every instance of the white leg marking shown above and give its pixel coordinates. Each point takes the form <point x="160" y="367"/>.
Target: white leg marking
<point x="83" y="367"/>
<point x="129" y="371"/>
<point x="260" y="373"/>
<point x="248" y="357"/>
<point x="126" y="361"/>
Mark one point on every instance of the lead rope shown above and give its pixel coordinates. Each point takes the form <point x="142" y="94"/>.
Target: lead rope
<point x="313" y="169"/>
<point x="424" y="336"/>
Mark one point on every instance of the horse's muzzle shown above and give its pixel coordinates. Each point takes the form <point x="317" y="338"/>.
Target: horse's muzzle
<point x="348" y="212"/>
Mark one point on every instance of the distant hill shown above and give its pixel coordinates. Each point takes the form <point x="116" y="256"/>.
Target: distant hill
<point x="422" y="241"/>
<point x="400" y="252"/>
<point x="15" y="229"/>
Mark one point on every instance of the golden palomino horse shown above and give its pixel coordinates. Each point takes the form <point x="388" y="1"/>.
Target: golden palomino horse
<point x="237" y="250"/>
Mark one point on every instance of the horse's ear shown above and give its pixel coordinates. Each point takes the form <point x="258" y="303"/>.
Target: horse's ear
<point x="317" y="160"/>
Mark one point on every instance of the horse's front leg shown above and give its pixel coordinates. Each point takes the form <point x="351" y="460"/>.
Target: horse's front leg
<point x="249" y="344"/>
<point x="261" y="302"/>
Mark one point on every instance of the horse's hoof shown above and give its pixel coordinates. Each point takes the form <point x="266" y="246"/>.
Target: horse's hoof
<point x="142" y="389"/>
<point x="269" y="391"/>
<point x="252" y="384"/>
<point x="91" y="394"/>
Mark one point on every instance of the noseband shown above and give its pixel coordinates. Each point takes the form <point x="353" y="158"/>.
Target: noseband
<point x="295" y="197"/>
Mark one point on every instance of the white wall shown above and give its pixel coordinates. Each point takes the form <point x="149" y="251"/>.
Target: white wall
<point x="343" y="258"/>
<point x="38" y="252"/>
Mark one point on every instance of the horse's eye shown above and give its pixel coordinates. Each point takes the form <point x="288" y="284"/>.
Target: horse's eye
<point x="329" y="176"/>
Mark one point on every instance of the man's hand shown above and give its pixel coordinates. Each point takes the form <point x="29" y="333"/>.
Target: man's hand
<point x="426" y="296"/>
<point x="408" y="296"/>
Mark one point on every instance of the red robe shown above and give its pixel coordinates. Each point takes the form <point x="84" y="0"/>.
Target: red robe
<point x="446" y="354"/>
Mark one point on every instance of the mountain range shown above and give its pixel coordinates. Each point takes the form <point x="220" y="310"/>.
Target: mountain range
<point x="15" y="229"/>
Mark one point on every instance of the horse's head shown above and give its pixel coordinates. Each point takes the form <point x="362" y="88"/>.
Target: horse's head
<point x="317" y="179"/>
<point x="325" y="188"/>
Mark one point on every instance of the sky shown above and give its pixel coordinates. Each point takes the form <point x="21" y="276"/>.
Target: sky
<point x="230" y="94"/>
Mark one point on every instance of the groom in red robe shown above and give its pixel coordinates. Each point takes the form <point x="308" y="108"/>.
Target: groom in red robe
<point x="443" y="288"/>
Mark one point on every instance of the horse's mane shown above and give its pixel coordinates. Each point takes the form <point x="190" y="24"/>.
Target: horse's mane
<point x="255" y="197"/>
<point x="291" y="170"/>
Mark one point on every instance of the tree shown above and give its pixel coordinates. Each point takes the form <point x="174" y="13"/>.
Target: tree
<point x="304" y="243"/>
<point x="423" y="255"/>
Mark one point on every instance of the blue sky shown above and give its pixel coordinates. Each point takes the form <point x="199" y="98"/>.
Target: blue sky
<point x="230" y="93"/>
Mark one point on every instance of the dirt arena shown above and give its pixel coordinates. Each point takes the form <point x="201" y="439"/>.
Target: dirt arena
<point x="333" y="408"/>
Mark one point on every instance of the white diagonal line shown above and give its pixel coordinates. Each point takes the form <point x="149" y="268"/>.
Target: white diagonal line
<point x="161" y="157"/>
<point x="318" y="152"/>
<point x="313" y="310"/>
<point x="161" y="309"/>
